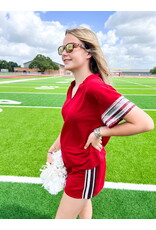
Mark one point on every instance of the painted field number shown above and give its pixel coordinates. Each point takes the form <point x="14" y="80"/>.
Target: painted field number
<point x="9" y="102"/>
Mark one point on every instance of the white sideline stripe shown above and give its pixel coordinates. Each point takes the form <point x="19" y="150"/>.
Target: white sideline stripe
<point x="21" y="179"/>
<point x="130" y="186"/>
<point x="111" y="185"/>
<point x="48" y="107"/>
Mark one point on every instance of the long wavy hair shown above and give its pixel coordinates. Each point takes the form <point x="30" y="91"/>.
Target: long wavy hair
<point x="98" y="63"/>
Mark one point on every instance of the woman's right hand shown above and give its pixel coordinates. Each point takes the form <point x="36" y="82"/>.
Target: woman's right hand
<point x="54" y="148"/>
<point x="49" y="154"/>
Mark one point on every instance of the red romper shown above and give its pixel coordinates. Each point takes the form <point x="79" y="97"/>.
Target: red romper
<point x="95" y="104"/>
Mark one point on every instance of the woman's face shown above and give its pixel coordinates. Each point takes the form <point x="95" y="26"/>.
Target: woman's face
<point x="78" y="58"/>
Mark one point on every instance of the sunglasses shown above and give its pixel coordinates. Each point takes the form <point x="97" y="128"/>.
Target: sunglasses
<point x="69" y="47"/>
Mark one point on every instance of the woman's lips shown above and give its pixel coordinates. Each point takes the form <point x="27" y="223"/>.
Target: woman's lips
<point x="66" y="61"/>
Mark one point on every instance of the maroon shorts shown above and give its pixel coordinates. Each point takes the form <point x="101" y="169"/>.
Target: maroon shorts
<point x="84" y="184"/>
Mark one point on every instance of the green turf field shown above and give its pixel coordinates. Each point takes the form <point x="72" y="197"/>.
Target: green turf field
<point x="28" y="129"/>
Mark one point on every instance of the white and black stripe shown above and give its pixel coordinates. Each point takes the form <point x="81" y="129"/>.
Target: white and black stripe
<point x="116" y="111"/>
<point x="89" y="184"/>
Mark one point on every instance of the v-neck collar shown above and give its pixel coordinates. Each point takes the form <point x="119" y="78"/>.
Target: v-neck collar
<point x="73" y="84"/>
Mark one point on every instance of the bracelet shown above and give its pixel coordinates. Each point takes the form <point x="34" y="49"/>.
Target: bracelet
<point x="97" y="132"/>
<point x="51" y="152"/>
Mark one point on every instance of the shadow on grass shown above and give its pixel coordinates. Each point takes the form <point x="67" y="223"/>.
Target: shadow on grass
<point x="18" y="212"/>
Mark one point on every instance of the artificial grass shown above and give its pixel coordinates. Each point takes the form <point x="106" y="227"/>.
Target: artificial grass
<point x="31" y="201"/>
<point x="57" y="100"/>
<point x="144" y="102"/>
<point x="132" y="159"/>
<point x="26" y="138"/>
<point x="32" y="89"/>
<point x="137" y="92"/>
<point x="52" y="100"/>
<point x="135" y="80"/>
<point x="26" y="135"/>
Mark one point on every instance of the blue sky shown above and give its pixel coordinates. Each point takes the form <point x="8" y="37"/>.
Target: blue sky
<point x="127" y="38"/>
<point x="95" y="19"/>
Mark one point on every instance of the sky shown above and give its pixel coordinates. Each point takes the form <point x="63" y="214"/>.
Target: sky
<point x="127" y="38"/>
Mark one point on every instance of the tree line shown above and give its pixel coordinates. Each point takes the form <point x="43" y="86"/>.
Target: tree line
<point x="153" y="71"/>
<point x="40" y="61"/>
<point x="8" y="65"/>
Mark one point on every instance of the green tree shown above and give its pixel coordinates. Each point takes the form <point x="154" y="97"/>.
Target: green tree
<point x="43" y="63"/>
<point x="3" y="64"/>
<point x="153" y="71"/>
<point x="11" y="66"/>
<point x="56" y="67"/>
<point x="8" y="65"/>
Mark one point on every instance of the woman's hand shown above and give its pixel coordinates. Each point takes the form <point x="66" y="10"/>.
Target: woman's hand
<point x="94" y="141"/>
<point x="54" y="148"/>
<point x="49" y="154"/>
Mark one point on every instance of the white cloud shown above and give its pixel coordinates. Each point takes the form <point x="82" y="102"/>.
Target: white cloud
<point x="129" y="40"/>
<point x="136" y="32"/>
<point x="23" y="35"/>
<point x="110" y="37"/>
<point x="86" y="26"/>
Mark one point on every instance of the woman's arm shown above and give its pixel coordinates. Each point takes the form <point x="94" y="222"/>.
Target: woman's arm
<point x="55" y="147"/>
<point x="136" y="121"/>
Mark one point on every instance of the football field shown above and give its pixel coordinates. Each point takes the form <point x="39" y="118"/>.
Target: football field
<point x="30" y="121"/>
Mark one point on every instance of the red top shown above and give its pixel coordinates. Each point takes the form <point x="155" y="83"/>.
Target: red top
<point x="95" y="104"/>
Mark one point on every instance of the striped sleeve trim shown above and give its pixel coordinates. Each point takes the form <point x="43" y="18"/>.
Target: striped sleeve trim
<point x="89" y="183"/>
<point x="116" y="111"/>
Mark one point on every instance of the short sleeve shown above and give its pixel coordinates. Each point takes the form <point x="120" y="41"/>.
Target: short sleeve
<point x="113" y="106"/>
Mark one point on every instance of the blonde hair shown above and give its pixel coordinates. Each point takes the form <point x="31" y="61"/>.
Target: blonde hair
<point x="98" y="62"/>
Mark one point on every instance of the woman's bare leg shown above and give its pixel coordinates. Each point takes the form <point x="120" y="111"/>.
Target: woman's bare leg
<point x="86" y="212"/>
<point x="69" y="207"/>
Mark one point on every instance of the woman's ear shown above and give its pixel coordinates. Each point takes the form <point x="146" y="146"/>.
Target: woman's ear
<point x="89" y="55"/>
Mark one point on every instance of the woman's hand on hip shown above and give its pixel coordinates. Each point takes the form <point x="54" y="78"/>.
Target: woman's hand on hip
<point x="94" y="141"/>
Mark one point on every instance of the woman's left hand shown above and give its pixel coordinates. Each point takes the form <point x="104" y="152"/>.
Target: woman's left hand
<point x="94" y="141"/>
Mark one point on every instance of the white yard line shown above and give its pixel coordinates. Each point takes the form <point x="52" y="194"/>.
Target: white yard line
<point x="111" y="185"/>
<point x="136" y="88"/>
<point x="33" y="107"/>
<point x="48" y="107"/>
<point x="17" y="86"/>
<point x="29" y="87"/>
<point x="34" y="93"/>
<point x="138" y="84"/>
<point x="23" y="80"/>
<point x="145" y="95"/>
<point x="149" y="109"/>
<point x="65" y="93"/>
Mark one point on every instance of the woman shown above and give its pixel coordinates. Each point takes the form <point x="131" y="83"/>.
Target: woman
<point x="91" y="114"/>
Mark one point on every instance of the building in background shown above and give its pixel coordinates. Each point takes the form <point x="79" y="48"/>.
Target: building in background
<point x="26" y="69"/>
<point x="131" y="72"/>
